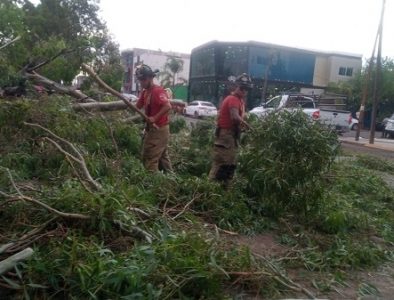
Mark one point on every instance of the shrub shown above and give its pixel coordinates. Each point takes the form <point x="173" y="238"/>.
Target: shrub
<point x="190" y="151"/>
<point x="177" y="124"/>
<point x="283" y="160"/>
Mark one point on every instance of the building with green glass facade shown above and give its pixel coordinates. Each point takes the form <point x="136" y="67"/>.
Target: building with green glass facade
<point x="279" y="67"/>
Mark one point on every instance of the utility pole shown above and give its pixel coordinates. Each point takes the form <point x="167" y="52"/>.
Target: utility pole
<point x="264" y="91"/>
<point x="378" y="79"/>
<point x="365" y="89"/>
<point x="266" y="73"/>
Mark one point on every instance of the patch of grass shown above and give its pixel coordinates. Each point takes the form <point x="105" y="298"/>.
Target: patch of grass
<point x="375" y="163"/>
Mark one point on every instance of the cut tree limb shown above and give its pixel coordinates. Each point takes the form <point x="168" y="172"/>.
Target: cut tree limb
<point x="106" y="87"/>
<point x="13" y="260"/>
<point x="100" y="106"/>
<point x="33" y="76"/>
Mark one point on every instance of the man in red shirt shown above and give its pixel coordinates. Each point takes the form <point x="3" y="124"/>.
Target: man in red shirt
<point x="229" y="124"/>
<point x="154" y="100"/>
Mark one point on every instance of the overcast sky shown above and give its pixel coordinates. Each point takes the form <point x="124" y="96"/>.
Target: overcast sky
<point x="180" y="25"/>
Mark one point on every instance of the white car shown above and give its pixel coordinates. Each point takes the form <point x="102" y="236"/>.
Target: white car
<point x="289" y="103"/>
<point x="353" y="123"/>
<point x="199" y="108"/>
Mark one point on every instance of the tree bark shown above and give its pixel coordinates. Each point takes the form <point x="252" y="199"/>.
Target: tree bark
<point x="58" y="87"/>
<point x="100" y="106"/>
<point x="11" y="261"/>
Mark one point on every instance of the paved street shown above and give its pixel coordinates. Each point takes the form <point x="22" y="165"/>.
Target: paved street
<point x="383" y="148"/>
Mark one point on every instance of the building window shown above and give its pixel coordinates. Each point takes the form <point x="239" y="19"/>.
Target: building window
<point x="203" y="62"/>
<point x="346" y="71"/>
<point x="349" y="72"/>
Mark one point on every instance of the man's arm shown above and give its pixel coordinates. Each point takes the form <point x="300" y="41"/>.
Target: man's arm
<point x="236" y="118"/>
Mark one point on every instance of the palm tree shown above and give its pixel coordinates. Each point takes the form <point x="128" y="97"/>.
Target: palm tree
<point x="172" y="67"/>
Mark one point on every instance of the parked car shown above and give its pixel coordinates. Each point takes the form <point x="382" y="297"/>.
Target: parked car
<point x="335" y="118"/>
<point x="199" y="108"/>
<point x="353" y="123"/>
<point x="288" y="102"/>
<point x="379" y="126"/>
<point x="389" y="127"/>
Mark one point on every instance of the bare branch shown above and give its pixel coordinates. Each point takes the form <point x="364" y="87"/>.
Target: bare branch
<point x="62" y="150"/>
<point x="10" y="42"/>
<point x="55" y="136"/>
<point x="185" y="208"/>
<point x="40" y="65"/>
<point x="78" y="159"/>
<point x="12" y="181"/>
<point x="53" y="210"/>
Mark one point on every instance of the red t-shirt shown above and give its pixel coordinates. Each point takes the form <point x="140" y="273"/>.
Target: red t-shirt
<point x="232" y="101"/>
<point x="152" y="100"/>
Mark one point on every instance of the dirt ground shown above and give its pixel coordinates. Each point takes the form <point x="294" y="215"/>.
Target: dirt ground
<point x="358" y="149"/>
<point x="366" y="285"/>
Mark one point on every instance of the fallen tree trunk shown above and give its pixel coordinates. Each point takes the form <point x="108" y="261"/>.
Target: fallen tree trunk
<point x="33" y="76"/>
<point x="100" y="106"/>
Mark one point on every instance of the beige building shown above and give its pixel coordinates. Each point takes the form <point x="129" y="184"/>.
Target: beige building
<point x="156" y="60"/>
<point x="335" y="67"/>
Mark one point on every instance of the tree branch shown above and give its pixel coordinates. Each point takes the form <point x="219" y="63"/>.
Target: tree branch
<point x="77" y="157"/>
<point x="106" y="87"/>
<point x="10" y="42"/>
<point x="51" y="209"/>
<point x="40" y="65"/>
<point x="33" y="76"/>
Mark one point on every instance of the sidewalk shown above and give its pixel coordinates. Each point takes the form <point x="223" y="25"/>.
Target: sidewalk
<point x="379" y="143"/>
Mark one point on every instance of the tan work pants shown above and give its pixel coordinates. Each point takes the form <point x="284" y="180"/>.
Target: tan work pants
<point x="224" y="156"/>
<point x="155" y="149"/>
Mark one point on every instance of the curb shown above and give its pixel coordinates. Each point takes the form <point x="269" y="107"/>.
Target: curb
<point x="365" y="144"/>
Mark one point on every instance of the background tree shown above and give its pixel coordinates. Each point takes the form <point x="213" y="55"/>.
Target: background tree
<point x="53" y="26"/>
<point x="172" y="67"/>
<point x="353" y="89"/>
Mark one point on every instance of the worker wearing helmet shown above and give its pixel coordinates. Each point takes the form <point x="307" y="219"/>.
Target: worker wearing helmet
<point x="229" y="124"/>
<point x="156" y="104"/>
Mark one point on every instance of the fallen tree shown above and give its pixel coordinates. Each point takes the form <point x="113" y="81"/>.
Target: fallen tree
<point x="73" y="92"/>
